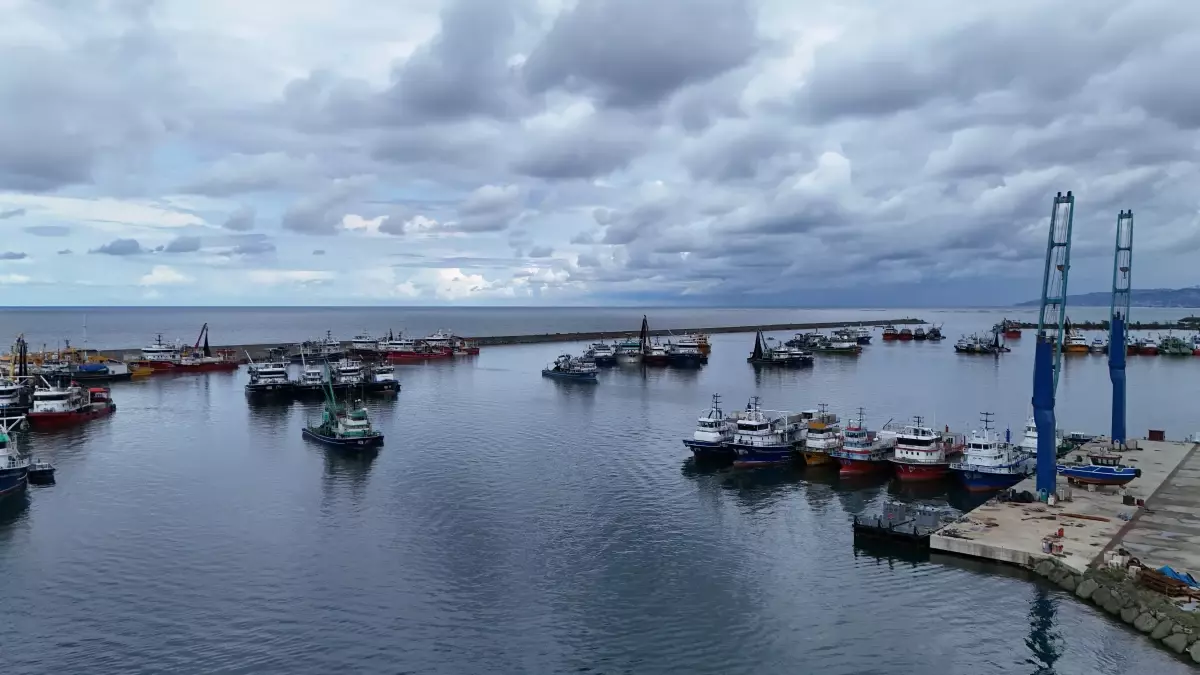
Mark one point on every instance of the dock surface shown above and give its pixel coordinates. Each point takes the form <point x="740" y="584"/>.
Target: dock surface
<point x="1012" y="532"/>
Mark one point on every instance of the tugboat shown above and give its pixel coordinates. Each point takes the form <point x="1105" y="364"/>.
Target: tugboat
<point x="60" y="407"/>
<point x="14" y="466"/>
<point x="824" y="438"/>
<point x="905" y="335"/>
<point x="710" y="440"/>
<point x="890" y="333"/>
<point x="1196" y="345"/>
<point x="864" y="451"/>
<point x="759" y="440"/>
<point x="924" y="454"/>
<point x="268" y="379"/>
<point x="919" y="333"/>
<point x="989" y="464"/>
<point x="1104" y="468"/>
<point x="343" y="427"/>
<point x="604" y="354"/>
<point x="565" y="367"/>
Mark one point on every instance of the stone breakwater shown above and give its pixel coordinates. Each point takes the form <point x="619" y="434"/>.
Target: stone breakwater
<point x="1146" y="611"/>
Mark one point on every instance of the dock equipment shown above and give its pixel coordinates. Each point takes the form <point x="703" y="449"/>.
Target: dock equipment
<point x="1118" y="318"/>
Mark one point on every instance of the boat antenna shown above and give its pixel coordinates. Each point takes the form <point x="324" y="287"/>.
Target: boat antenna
<point x="986" y="418"/>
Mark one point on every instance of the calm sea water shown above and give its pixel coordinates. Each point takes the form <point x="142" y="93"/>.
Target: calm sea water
<point x="514" y="524"/>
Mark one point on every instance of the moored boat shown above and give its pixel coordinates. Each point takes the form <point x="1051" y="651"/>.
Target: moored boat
<point x="1011" y="329"/>
<point x="778" y="355"/>
<point x="60" y="407"/>
<point x="1173" y="346"/>
<point x="862" y="336"/>
<point x="363" y="345"/>
<point x="1196" y="345"/>
<point x="158" y="355"/>
<point x="1075" y="343"/>
<point x="1103" y="468"/>
<point x="919" y="333"/>
<point x="763" y="437"/>
<point x="1145" y="346"/>
<point x="934" y="333"/>
<point x="1098" y="346"/>
<point x="905" y="335"/>
<point x="629" y="351"/>
<point x="269" y="378"/>
<point x="890" y="333"/>
<point x="987" y="463"/>
<point x="14" y="465"/>
<point x="684" y="355"/>
<point x="823" y="437"/>
<point x="655" y="355"/>
<point x="382" y="380"/>
<point x="714" y="431"/>
<point x="604" y="354"/>
<point x="566" y="367"/>
<point x="864" y="451"/>
<point x="924" y="454"/>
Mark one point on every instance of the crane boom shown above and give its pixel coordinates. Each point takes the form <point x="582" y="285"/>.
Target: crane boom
<point x="1118" y="319"/>
<point x="1048" y="351"/>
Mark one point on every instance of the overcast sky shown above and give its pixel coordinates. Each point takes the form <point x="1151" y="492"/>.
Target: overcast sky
<point x="556" y="152"/>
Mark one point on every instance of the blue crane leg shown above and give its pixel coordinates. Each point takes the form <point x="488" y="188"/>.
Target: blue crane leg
<point x="1043" y="414"/>
<point x="1116" y="373"/>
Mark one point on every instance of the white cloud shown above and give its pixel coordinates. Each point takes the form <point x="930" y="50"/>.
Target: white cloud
<point x="278" y="277"/>
<point x="164" y="275"/>
<point x="14" y="279"/>
<point x="103" y="212"/>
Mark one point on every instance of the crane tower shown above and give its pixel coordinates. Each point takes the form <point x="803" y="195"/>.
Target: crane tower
<point x="1047" y="359"/>
<point x="1118" y="318"/>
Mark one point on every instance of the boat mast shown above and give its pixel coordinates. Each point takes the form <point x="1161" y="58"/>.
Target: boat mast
<point x="1118" y="318"/>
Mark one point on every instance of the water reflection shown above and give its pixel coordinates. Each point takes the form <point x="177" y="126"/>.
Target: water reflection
<point x="896" y="556"/>
<point x="1044" y="641"/>
<point x="347" y="469"/>
<point x="13" y="509"/>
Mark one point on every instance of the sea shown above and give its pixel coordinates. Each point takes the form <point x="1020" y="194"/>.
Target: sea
<point x="515" y="524"/>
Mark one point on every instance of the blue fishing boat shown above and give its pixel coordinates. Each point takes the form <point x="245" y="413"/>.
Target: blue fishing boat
<point x="566" y="367"/>
<point x="710" y="440"/>
<point x="1104" y="468"/>
<point x="14" y="466"/>
<point x="988" y="463"/>
<point x="762" y="437"/>
<point x="343" y="427"/>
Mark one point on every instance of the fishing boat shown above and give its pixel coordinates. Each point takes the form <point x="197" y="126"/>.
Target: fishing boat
<point x="327" y="348"/>
<point x="836" y="345"/>
<point x="824" y="436"/>
<point x="710" y="441"/>
<point x="1145" y="346"/>
<point x="684" y="355"/>
<point x="343" y="427"/>
<point x="924" y="454"/>
<point x="701" y="341"/>
<point x="862" y="336"/>
<point x="14" y="465"/>
<point x="363" y="345"/>
<point x="60" y="407"/>
<point x="603" y="354"/>
<point x="655" y="355"/>
<point x="200" y="359"/>
<point x="763" y="437"/>
<point x="1103" y="468"/>
<point x="440" y="339"/>
<point x="919" y="333"/>
<point x="1173" y="346"/>
<point x="987" y="463"/>
<point x="1011" y="329"/>
<point x="864" y="451"/>
<point x="269" y="378"/>
<point x="405" y="350"/>
<point x="158" y="355"/>
<point x="1075" y="343"/>
<point x="1196" y="345"/>
<point x="934" y="334"/>
<point x="383" y="380"/>
<point x="311" y="382"/>
<point x="348" y="372"/>
<point x="566" y="367"/>
<point x="14" y="398"/>
<point x="890" y="333"/>
<point x="905" y="335"/>
<point x="462" y="346"/>
<point x="1098" y="346"/>
<point x="778" y="355"/>
<point x="629" y="351"/>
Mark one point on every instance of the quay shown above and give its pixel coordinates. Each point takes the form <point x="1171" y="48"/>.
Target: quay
<point x="1166" y="531"/>
<point x="258" y="351"/>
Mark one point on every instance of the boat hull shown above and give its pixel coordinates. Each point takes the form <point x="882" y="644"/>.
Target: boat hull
<point x="709" y="451"/>
<point x="1012" y="334"/>
<point x="1077" y="349"/>
<point x="864" y="340"/>
<point x="605" y="361"/>
<point x="629" y="359"/>
<point x="354" y="444"/>
<point x="45" y="421"/>
<point x="655" y="360"/>
<point x="921" y="472"/>
<point x="269" y="390"/>
<point x="861" y="467"/>
<point x="685" y="360"/>
<point x="1094" y="475"/>
<point x="982" y="481"/>
<point x="818" y="458"/>
<point x="570" y="377"/>
<point x="13" y="481"/>
<point x="156" y="366"/>
<point x="412" y="357"/>
<point x="213" y="367"/>
<point x="757" y="455"/>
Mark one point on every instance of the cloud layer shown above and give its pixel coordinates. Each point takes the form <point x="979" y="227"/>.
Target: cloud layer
<point x="595" y="151"/>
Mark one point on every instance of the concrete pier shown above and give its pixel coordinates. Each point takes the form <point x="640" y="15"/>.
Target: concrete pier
<point x="1166" y="532"/>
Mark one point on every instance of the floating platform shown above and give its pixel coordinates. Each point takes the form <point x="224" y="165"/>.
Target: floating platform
<point x="907" y="525"/>
<point x="1166" y="531"/>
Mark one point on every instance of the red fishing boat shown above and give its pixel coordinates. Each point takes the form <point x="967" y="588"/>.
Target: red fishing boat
<point x="1011" y="329"/>
<point x="60" y="407"/>
<point x="905" y="335"/>
<point x="158" y="356"/>
<point x="201" y="360"/>
<point x="890" y="333"/>
<point x="400" y="349"/>
<point x="864" y="451"/>
<point x="924" y="454"/>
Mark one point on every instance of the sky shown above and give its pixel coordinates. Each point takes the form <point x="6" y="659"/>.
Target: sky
<point x="590" y="152"/>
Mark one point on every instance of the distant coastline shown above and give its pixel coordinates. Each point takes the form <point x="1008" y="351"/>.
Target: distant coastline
<point x="1184" y="298"/>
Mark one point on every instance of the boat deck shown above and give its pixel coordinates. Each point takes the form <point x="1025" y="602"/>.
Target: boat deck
<point x="1166" y="532"/>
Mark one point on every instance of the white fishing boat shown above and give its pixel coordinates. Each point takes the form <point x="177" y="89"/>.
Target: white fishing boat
<point x="713" y="433"/>
<point x="987" y="463"/>
<point x="763" y="437"/>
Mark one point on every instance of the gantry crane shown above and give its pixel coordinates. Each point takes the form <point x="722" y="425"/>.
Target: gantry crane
<point x="1118" y="318"/>
<point x="1047" y="359"/>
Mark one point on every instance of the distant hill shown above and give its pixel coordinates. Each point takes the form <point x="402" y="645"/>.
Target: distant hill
<point x="1143" y="297"/>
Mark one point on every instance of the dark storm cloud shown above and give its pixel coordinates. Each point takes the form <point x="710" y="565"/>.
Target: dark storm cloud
<point x="11" y="213"/>
<point x="120" y="247"/>
<point x="631" y="53"/>
<point x="241" y="220"/>
<point x="48" y="230"/>
<point x="322" y="213"/>
<point x="183" y="244"/>
<point x="13" y="255"/>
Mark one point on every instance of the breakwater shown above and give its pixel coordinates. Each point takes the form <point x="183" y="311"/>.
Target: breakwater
<point x="257" y="351"/>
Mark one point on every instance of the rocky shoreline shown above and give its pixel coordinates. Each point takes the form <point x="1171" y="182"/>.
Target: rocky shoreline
<point x="1148" y="612"/>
